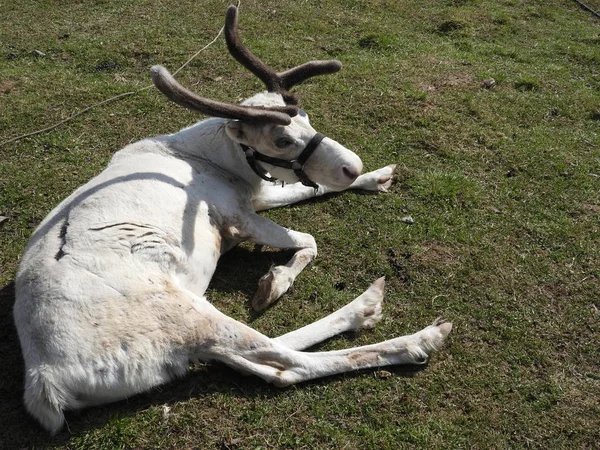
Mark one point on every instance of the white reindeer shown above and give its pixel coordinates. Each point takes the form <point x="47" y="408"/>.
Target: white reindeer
<point x="110" y="292"/>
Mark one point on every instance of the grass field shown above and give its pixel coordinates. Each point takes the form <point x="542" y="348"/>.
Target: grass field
<point x="502" y="183"/>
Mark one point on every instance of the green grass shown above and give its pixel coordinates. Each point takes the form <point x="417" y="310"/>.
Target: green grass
<point x="503" y="185"/>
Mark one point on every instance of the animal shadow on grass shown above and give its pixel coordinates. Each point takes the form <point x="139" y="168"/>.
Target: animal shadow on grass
<point x="240" y="268"/>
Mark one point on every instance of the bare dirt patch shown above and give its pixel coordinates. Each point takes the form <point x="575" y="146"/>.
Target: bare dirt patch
<point x="447" y="81"/>
<point x="6" y="86"/>
<point x="437" y="255"/>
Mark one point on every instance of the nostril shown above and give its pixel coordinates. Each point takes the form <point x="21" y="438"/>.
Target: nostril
<point x="350" y="172"/>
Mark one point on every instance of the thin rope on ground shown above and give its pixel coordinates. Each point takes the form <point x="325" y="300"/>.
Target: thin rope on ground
<point x="56" y="125"/>
<point x="201" y="50"/>
<point x="586" y="7"/>
<point x="116" y="97"/>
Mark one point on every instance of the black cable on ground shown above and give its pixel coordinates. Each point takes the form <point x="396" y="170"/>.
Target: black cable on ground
<point x="586" y="7"/>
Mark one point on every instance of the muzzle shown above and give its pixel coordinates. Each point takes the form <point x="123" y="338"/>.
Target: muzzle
<point x="297" y="165"/>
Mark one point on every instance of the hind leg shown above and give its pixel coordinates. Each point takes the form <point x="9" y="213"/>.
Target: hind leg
<point x="362" y="312"/>
<point x="251" y="352"/>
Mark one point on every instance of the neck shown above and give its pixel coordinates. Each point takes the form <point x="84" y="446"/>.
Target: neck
<point x="207" y="140"/>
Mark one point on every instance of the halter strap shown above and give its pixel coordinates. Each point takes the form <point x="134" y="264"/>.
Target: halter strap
<point x="297" y="165"/>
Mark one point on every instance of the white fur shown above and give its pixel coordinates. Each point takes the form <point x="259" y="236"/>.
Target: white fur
<point x="110" y="291"/>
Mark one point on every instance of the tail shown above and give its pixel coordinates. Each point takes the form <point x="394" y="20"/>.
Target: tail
<point x="44" y="399"/>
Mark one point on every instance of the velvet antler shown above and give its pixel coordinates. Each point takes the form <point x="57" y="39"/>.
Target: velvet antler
<point x="165" y="82"/>
<point x="280" y="82"/>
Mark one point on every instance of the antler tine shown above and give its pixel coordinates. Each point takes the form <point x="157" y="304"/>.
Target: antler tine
<point x="279" y="82"/>
<point x="298" y="74"/>
<point x="165" y="82"/>
<point x="244" y="56"/>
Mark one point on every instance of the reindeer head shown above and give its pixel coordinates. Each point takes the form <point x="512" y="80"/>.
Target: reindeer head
<point x="269" y="127"/>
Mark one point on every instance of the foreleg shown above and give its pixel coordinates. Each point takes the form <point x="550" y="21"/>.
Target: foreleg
<point x="279" y="279"/>
<point x="274" y="196"/>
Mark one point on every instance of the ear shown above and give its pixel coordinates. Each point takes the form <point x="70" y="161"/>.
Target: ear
<point x="303" y="114"/>
<point x="236" y="130"/>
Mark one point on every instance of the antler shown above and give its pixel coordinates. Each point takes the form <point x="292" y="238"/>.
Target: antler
<point x="279" y="82"/>
<point x="275" y="82"/>
<point x="165" y="82"/>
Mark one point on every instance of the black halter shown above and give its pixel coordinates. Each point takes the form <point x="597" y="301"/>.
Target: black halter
<point x="297" y="165"/>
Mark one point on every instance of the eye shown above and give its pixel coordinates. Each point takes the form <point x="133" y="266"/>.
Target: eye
<point x="284" y="142"/>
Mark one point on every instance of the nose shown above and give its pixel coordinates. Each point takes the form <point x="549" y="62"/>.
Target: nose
<point x="350" y="172"/>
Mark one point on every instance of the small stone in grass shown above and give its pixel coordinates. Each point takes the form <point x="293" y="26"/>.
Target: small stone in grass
<point x="383" y="374"/>
<point x="488" y="83"/>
